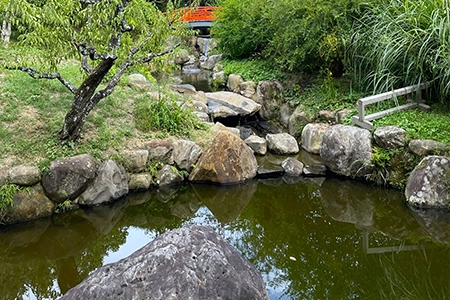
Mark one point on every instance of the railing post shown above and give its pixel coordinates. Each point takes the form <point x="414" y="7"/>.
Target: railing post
<point x="361" y="112"/>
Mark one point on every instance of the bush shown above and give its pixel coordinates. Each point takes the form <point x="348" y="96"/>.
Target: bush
<point x="297" y="35"/>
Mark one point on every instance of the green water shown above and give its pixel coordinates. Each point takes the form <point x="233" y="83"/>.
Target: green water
<point x="311" y="239"/>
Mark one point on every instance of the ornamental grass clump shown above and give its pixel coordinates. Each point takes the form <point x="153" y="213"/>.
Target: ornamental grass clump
<point x="402" y="43"/>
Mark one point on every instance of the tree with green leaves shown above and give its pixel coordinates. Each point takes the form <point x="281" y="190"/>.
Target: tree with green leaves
<point x="107" y="37"/>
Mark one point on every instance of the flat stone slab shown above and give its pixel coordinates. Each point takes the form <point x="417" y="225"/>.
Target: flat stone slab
<point x="240" y="104"/>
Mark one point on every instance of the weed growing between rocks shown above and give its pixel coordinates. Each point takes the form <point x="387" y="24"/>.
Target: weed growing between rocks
<point x="165" y="114"/>
<point x="7" y="192"/>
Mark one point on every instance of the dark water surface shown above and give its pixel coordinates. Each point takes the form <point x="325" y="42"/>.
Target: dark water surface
<point x="337" y="240"/>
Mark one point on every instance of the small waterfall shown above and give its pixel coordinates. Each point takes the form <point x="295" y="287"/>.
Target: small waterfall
<point x="205" y="48"/>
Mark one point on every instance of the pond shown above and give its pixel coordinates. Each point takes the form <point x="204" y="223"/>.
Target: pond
<point x="310" y="238"/>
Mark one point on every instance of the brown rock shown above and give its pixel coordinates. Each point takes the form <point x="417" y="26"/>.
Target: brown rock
<point x="228" y="160"/>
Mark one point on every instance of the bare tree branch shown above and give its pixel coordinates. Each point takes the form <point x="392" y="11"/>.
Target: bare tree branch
<point x="42" y="75"/>
<point x="151" y="56"/>
<point x="90" y="1"/>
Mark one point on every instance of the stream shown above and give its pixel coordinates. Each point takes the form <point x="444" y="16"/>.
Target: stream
<point x="310" y="239"/>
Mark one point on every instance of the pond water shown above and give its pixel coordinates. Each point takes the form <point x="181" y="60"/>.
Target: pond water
<point x="311" y="239"/>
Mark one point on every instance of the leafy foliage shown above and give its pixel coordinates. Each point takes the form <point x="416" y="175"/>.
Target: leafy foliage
<point x="7" y="192"/>
<point x="296" y="35"/>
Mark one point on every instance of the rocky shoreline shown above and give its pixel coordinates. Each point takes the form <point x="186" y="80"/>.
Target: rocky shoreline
<point x="382" y="157"/>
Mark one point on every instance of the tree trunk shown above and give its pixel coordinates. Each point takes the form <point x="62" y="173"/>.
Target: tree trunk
<point x="85" y="100"/>
<point x="5" y="33"/>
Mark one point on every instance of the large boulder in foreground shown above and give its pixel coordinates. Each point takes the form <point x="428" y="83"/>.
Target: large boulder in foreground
<point x="67" y="179"/>
<point x="428" y="184"/>
<point x="228" y="160"/>
<point x="187" y="263"/>
<point x="347" y="150"/>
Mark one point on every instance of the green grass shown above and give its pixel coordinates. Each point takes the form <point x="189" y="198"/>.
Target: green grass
<point x="32" y="112"/>
<point x="434" y="125"/>
<point x="252" y="69"/>
<point x="325" y="94"/>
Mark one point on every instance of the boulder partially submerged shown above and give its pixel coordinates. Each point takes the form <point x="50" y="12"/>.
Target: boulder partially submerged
<point x="428" y="184"/>
<point x="187" y="263"/>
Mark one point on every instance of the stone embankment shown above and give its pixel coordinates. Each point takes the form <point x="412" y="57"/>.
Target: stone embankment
<point x="230" y="156"/>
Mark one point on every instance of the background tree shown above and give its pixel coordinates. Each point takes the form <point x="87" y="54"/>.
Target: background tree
<point x="106" y="36"/>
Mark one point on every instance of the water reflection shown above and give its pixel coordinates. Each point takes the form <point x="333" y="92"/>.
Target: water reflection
<point x="310" y="241"/>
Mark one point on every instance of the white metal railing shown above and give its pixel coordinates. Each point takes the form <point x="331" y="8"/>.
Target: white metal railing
<point x="364" y="121"/>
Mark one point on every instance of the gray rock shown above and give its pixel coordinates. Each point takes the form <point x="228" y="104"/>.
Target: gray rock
<point x="135" y="160"/>
<point x="234" y="82"/>
<point x="428" y="183"/>
<point x="140" y="181"/>
<point x="257" y="144"/>
<point x="270" y="95"/>
<point x="227" y="160"/>
<point x="67" y="179"/>
<point x="222" y="111"/>
<point x="110" y="184"/>
<point x="186" y="263"/>
<point x="182" y="58"/>
<point x="202" y="117"/>
<point x="390" y="137"/>
<point x="182" y="88"/>
<point x="347" y="150"/>
<point x="282" y="143"/>
<point x="312" y="135"/>
<point x="427" y="147"/>
<point x="201" y="97"/>
<point x="328" y="116"/>
<point x="314" y="170"/>
<point x="292" y="167"/>
<point x="160" y="151"/>
<point x="28" y="205"/>
<point x="211" y="62"/>
<point x="190" y="69"/>
<point x="169" y="175"/>
<point x="285" y="114"/>
<point x="247" y="89"/>
<point x="243" y="106"/>
<point x="341" y="115"/>
<point x="274" y="172"/>
<point x="297" y="121"/>
<point x="24" y="175"/>
<point x="245" y="132"/>
<point x="186" y="154"/>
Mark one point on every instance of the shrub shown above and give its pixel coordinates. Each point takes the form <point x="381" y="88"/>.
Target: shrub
<point x="304" y="35"/>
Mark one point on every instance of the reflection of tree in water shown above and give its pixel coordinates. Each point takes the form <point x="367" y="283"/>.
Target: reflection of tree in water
<point x="330" y="263"/>
<point x="318" y="226"/>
